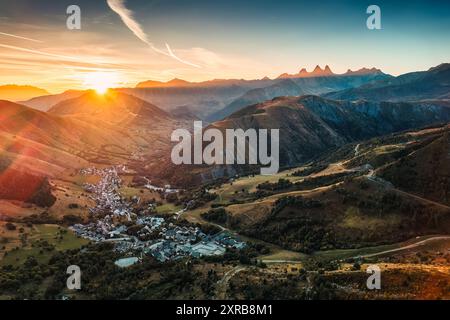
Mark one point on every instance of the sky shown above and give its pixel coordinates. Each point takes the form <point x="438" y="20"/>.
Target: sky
<point x="123" y="42"/>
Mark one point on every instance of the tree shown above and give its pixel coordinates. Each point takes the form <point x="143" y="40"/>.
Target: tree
<point x="10" y="226"/>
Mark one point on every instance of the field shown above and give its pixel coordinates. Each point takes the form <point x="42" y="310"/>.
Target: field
<point x="167" y="208"/>
<point x="11" y="208"/>
<point x="235" y="189"/>
<point x="39" y="241"/>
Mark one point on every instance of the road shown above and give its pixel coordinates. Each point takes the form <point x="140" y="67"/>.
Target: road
<point x="371" y="176"/>
<point x="222" y="284"/>
<point x="423" y="199"/>
<point x="280" y="261"/>
<point x="409" y="246"/>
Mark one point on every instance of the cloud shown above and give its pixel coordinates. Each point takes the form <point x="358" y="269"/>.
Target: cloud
<point x="19" y="37"/>
<point x="127" y="16"/>
<point x="64" y="59"/>
<point x="171" y="54"/>
<point x="37" y="52"/>
<point x="118" y="6"/>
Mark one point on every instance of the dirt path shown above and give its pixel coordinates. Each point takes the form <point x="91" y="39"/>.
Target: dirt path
<point x="280" y="261"/>
<point x="423" y="199"/>
<point x="371" y="176"/>
<point x="410" y="246"/>
<point x="222" y="284"/>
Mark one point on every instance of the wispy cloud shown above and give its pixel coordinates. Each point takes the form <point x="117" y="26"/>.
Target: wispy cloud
<point x="71" y="59"/>
<point x="19" y="37"/>
<point x="37" y="52"/>
<point x="127" y="16"/>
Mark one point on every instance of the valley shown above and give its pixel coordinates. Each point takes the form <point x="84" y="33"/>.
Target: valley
<point x="90" y="180"/>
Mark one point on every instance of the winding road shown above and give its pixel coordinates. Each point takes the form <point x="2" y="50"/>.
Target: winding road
<point x="371" y="176"/>
<point x="406" y="247"/>
<point x="222" y="284"/>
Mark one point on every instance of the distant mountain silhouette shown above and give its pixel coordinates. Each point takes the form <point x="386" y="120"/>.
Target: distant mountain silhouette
<point x="17" y="93"/>
<point x="363" y="71"/>
<point x="317" y="72"/>
<point x="113" y="107"/>
<point x="296" y="87"/>
<point x="44" y="103"/>
<point x="431" y="84"/>
<point x="215" y="99"/>
<point x="159" y="84"/>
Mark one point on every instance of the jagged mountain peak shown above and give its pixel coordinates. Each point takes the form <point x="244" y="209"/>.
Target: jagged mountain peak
<point x="364" y="71"/>
<point x="303" y="73"/>
<point x="317" y="69"/>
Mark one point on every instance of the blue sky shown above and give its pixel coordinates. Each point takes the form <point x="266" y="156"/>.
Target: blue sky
<point x="226" y="39"/>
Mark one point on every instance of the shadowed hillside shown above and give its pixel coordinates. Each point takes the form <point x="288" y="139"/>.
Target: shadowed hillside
<point x="22" y="186"/>
<point x="380" y="191"/>
<point x="310" y="125"/>
<point x="296" y="85"/>
<point x="425" y="172"/>
<point x="431" y="84"/>
<point x="88" y="129"/>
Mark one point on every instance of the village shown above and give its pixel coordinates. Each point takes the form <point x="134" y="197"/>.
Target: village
<point x="159" y="237"/>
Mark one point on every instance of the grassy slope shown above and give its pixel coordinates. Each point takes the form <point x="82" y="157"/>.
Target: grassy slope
<point x="33" y="247"/>
<point x="346" y="218"/>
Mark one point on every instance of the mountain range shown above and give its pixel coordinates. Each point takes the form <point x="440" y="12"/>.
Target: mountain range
<point x="17" y="93"/>
<point x="215" y="99"/>
<point x="362" y="176"/>
<point x="311" y="125"/>
<point x="382" y="190"/>
<point x="44" y="103"/>
<point x="90" y="128"/>
<point x="122" y="126"/>
<point x="431" y="84"/>
<point x="326" y="72"/>
<point x="295" y="87"/>
<point x="364" y="84"/>
<point x="317" y="72"/>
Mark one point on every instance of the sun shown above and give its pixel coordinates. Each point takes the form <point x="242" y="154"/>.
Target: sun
<point x="100" y="81"/>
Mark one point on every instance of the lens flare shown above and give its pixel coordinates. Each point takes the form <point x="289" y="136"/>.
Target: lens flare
<point x="101" y="81"/>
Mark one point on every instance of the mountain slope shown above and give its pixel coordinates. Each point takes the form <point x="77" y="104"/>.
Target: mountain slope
<point x="285" y="87"/>
<point x="17" y="93"/>
<point x="113" y="107"/>
<point x="310" y="125"/>
<point x="110" y="129"/>
<point x="317" y="72"/>
<point x="296" y="86"/>
<point x="158" y="84"/>
<point x="425" y="172"/>
<point x="45" y="102"/>
<point x="23" y="186"/>
<point x="344" y="200"/>
<point x="431" y="84"/>
<point x="45" y="143"/>
<point x="215" y="99"/>
<point x="196" y="99"/>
